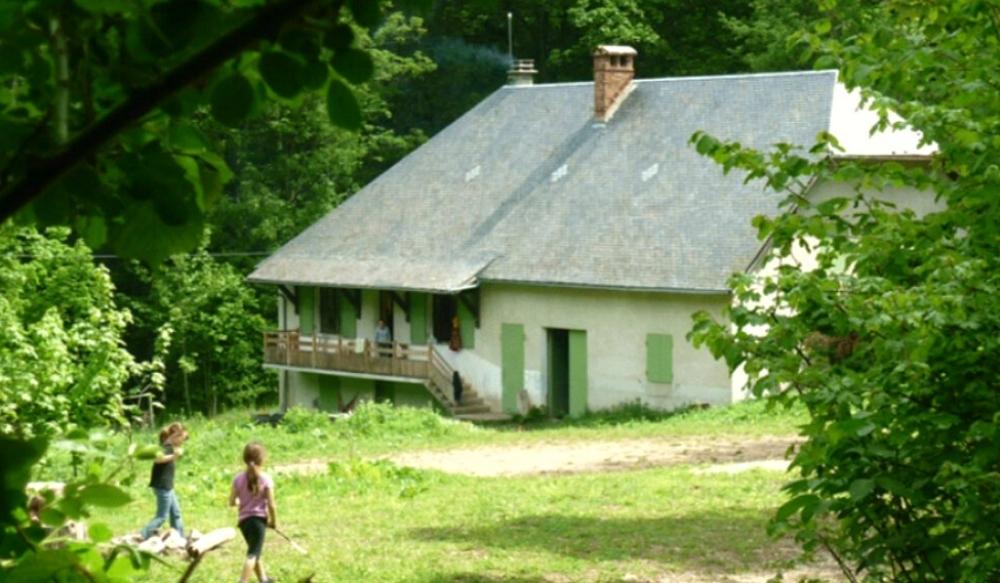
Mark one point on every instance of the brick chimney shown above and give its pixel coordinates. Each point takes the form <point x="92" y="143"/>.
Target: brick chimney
<point x="614" y="69"/>
<point x="522" y="72"/>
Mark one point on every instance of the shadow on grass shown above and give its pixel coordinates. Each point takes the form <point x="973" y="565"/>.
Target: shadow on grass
<point x="710" y="542"/>
<point x="625" y="413"/>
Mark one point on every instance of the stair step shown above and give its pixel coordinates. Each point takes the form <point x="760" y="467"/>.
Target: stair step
<point x="467" y="402"/>
<point x="466" y="409"/>
<point x="484" y="417"/>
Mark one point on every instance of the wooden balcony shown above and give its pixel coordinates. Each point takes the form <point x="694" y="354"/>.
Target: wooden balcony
<point x="359" y="356"/>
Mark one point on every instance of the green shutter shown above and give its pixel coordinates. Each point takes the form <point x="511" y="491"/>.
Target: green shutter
<point x="660" y="358"/>
<point x="466" y="326"/>
<point x="307" y="309"/>
<point x="577" y="372"/>
<point x="418" y="318"/>
<point x="348" y="318"/>
<point x="512" y="360"/>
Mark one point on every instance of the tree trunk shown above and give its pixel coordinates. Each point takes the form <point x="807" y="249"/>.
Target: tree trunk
<point x="60" y="108"/>
<point x="211" y="390"/>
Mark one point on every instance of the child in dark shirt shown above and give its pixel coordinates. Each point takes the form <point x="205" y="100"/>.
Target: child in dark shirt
<point x="161" y="480"/>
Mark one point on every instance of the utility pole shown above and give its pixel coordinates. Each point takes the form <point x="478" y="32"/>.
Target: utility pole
<point x="510" y="37"/>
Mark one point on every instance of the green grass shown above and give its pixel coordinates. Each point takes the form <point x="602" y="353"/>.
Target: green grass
<point x="373" y="521"/>
<point x="377" y="429"/>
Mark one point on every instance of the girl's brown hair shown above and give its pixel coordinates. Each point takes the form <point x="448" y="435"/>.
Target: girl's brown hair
<point x="253" y="457"/>
<point x="170" y="430"/>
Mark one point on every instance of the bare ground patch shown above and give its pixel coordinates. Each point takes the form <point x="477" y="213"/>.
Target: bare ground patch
<point x="601" y="456"/>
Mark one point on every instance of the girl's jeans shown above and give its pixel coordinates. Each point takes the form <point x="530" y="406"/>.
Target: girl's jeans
<point x="166" y="505"/>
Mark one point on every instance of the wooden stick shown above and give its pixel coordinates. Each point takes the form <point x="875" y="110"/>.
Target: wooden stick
<point x="191" y="567"/>
<point x="301" y="550"/>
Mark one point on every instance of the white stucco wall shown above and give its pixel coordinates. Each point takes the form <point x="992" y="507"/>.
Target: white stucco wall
<point x="400" y="327"/>
<point x="305" y="388"/>
<point x="616" y="323"/>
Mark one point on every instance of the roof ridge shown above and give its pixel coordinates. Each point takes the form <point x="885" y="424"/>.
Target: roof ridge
<point x="684" y="78"/>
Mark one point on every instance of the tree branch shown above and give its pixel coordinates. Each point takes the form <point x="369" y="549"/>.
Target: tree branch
<point x="43" y="173"/>
<point x="844" y="568"/>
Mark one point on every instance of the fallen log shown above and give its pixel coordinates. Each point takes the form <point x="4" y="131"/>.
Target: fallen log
<point x="211" y="541"/>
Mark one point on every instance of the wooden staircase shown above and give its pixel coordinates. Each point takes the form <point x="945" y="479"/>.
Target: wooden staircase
<point x="472" y="406"/>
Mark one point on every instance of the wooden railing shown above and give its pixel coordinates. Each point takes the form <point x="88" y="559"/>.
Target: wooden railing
<point x="359" y="355"/>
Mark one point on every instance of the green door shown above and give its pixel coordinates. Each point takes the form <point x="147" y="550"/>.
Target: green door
<point x="418" y="318"/>
<point x="577" y="372"/>
<point x="348" y="318"/>
<point x="512" y="360"/>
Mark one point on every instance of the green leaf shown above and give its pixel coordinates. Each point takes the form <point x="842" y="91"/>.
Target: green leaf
<point x="164" y="179"/>
<point x="16" y="459"/>
<point x="804" y="503"/>
<point x="339" y="38"/>
<point x="186" y="138"/>
<point x="282" y="73"/>
<point x="52" y="517"/>
<point x="107" y="6"/>
<point x="354" y="65"/>
<point x="144" y="235"/>
<point x="99" y="532"/>
<point x="147" y="452"/>
<point x="232" y="100"/>
<point x="366" y="12"/>
<point x="342" y="106"/>
<point x="418" y="6"/>
<point x="314" y="75"/>
<point x="860" y="489"/>
<point x="301" y="42"/>
<point x="104" y="496"/>
<point x="54" y="207"/>
<point x="41" y="566"/>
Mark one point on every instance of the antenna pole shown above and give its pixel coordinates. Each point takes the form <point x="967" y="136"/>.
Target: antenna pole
<point x="510" y="37"/>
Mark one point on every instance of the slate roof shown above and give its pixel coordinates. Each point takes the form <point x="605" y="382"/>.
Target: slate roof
<point x="527" y="187"/>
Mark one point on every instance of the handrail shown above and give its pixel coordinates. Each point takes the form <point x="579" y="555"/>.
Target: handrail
<point x="322" y="344"/>
<point x="362" y="355"/>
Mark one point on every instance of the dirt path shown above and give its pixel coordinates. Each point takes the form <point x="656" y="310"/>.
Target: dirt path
<point x="603" y="456"/>
<point x="725" y="456"/>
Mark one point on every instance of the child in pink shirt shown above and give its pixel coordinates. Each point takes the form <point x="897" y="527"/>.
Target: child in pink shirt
<point x="254" y="491"/>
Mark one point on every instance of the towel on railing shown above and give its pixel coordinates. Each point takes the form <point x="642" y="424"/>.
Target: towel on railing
<point x="359" y="346"/>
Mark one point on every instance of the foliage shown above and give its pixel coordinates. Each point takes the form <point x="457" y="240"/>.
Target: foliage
<point x="464" y="75"/>
<point x="765" y="36"/>
<point x="356" y="474"/>
<point x="302" y="420"/>
<point x="35" y="547"/>
<point x="891" y="341"/>
<point x="214" y="354"/>
<point x="97" y="95"/>
<point x="382" y="420"/>
<point x="673" y="37"/>
<point x="62" y="363"/>
<point x="291" y="165"/>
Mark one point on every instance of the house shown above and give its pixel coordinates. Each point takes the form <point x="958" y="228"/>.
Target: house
<point x="568" y="230"/>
